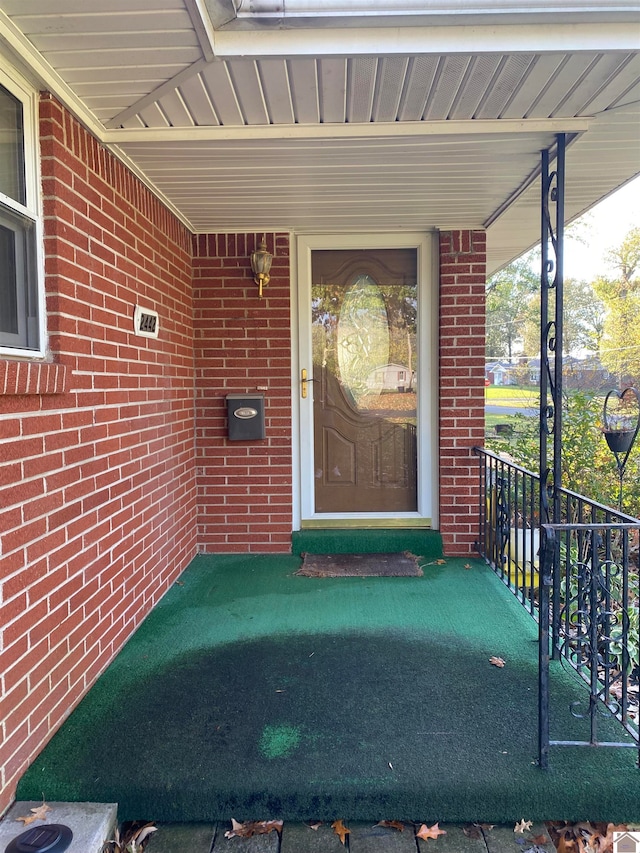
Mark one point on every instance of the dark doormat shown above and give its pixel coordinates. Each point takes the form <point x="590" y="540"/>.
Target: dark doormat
<point x="360" y="565"/>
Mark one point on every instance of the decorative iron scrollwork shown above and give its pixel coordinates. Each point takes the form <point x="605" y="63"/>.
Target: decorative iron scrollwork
<point x="594" y="635"/>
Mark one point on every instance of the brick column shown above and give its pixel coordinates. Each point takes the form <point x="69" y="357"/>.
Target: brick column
<point x="461" y="363"/>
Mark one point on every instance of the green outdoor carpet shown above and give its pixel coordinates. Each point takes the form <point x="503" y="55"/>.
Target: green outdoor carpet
<point x="374" y="540"/>
<point x="255" y="694"/>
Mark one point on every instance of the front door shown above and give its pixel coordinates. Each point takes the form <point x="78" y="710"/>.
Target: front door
<point x="361" y="388"/>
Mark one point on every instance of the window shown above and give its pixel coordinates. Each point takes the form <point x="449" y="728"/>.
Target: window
<point x="21" y="298"/>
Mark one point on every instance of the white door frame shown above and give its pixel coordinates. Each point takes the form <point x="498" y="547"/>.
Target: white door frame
<point x="302" y="421"/>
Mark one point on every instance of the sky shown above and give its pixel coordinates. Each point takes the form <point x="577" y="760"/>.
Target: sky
<point x="604" y="227"/>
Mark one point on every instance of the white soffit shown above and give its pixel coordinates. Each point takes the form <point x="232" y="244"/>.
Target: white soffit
<point x="589" y="175"/>
<point x="306" y="185"/>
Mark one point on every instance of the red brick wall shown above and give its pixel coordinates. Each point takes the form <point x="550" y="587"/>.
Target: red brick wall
<point x="242" y="344"/>
<point x="462" y="351"/>
<point x="97" y="478"/>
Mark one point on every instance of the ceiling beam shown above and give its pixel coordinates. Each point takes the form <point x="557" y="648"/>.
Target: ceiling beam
<point x="395" y="129"/>
<point x="417" y="40"/>
<point x="203" y="27"/>
<point x="155" y="95"/>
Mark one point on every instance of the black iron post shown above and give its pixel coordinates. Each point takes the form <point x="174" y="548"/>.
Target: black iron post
<point x="547" y="549"/>
<point x="551" y="334"/>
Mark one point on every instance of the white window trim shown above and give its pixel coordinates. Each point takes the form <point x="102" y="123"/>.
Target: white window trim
<point x="28" y="95"/>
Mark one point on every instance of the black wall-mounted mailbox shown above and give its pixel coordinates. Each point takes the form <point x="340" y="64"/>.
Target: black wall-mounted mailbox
<point x="245" y="415"/>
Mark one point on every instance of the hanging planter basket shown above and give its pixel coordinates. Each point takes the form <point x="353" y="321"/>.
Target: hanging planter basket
<point x="619" y="440"/>
<point x="621" y="423"/>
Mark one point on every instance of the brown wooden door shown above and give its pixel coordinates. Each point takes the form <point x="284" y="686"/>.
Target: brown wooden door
<point x="364" y="308"/>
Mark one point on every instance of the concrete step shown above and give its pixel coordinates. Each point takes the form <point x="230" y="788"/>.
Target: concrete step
<point x="423" y="542"/>
<point x="91" y="823"/>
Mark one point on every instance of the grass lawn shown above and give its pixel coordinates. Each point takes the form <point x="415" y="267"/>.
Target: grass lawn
<point x="497" y="394"/>
<point x="491" y="420"/>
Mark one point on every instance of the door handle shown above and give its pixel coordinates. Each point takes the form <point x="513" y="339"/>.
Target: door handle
<point x="303" y="383"/>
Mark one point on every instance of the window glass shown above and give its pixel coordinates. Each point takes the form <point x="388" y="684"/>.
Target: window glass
<point x="12" y="176"/>
<point x="21" y="297"/>
<point x="8" y="292"/>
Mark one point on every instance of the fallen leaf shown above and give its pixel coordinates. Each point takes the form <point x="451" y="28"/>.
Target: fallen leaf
<point x="391" y="824"/>
<point x="145" y="832"/>
<point x="472" y="831"/>
<point x="315" y="826"/>
<point x="584" y="836"/>
<point x="523" y="826"/>
<point x="496" y="661"/>
<point x="429" y="831"/>
<point x="487" y="826"/>
<point x="36" y="814"/>
<point x="132" y="839"/>
<point x="340" y="830"/>
<point x="539" y="839"/>
<point x="467" y="565"/>
<point x="253" y="827"/>
<point x="606" y="839"/>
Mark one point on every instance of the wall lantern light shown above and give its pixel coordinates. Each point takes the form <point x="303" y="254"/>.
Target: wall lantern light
<point x="260" y="265"/>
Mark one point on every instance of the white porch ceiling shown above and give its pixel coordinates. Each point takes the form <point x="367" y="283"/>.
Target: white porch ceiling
<point x="254" y="116"/>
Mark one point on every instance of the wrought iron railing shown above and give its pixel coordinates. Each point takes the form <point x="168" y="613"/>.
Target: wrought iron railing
<point x="579" y="579"/>
<point x="588" y="612"/>
<point x="509" y="534"/>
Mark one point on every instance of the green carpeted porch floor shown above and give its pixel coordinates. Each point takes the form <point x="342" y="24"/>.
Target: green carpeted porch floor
<point x="250" y="692"/>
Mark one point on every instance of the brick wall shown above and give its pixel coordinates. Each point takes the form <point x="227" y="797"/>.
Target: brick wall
<point x="97" y="478"/>
<point x="462" y="351"/>
<point x="242" y="344"/>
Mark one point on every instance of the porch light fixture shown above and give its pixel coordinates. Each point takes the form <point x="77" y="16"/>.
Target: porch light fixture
<point x="260" y="265"/>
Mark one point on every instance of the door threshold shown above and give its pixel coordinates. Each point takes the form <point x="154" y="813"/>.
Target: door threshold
<point x="364" y="523"/>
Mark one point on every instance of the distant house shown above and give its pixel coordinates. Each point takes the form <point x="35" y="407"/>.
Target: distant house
<point x="390" y="377"/>
<point x="533" y="366"/>
<point x="587" y="373"/>
<point x="500" y="373"/>
<point x="578" y="373"/>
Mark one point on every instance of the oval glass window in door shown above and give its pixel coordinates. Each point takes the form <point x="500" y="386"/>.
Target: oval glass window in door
<point x="362" y="337"/>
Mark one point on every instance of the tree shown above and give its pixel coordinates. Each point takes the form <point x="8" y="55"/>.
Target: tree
<point x="507" y="296"/>
<point x="620" y="347"/>
<point x="583" y="318"/>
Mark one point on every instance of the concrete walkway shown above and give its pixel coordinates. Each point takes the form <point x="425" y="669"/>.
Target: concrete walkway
<point x="362" y="838"/>
<point x="93" y="823"/>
